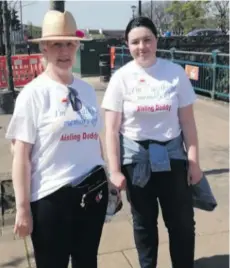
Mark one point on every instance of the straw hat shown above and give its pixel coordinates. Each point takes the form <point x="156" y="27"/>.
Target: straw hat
<point x="58" y="26"/>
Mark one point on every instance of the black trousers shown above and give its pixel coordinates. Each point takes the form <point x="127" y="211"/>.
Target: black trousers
<point x="171" y="191"/>
<point x="62" y="228"/>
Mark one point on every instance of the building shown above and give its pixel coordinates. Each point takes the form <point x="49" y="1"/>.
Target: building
<point x="105" y="34"/>
<point x="27" y="31"/>
<point x="19" y="38"/>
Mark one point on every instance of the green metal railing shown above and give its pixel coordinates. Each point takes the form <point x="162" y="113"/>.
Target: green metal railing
<point x="213" y="75"/>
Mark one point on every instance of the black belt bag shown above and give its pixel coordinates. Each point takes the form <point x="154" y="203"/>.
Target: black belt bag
<point x="92" y="185"/>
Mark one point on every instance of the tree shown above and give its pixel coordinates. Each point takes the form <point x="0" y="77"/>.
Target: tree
<point x="57" y="5"/>
<point x="156" y="10"/>
<point x="178" y="16"/>
<point x="195" y="15"/>
<point x="220" y="10"/>
<point x="2" y="50"/>
<point x="15" y="21"/>
<point x="6" y="19"/>
<point x="187" y="15"/>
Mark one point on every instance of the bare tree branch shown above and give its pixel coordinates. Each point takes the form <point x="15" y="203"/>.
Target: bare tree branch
<point x="160" y="17"/>
<point x="220" y="10"/>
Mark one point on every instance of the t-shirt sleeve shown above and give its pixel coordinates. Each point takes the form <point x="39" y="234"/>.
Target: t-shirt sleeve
<point x="186" y="94"/>
<point x="113" y="97"/>
<point x="23" y="123"/>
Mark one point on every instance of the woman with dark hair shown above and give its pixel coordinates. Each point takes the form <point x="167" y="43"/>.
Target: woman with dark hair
<point x="148" y="105"/>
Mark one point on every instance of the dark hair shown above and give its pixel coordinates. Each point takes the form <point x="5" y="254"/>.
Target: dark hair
<point x="140" y="22"/>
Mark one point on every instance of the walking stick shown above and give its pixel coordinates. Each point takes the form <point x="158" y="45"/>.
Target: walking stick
<point x="27" y="252"/>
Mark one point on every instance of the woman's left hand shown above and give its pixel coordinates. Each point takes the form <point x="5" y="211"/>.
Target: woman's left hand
<point x="194" y="173"/>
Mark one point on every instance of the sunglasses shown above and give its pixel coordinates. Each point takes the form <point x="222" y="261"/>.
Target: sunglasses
<point x="74" y="100"/>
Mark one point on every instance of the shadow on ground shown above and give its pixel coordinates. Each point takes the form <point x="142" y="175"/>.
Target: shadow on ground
<point x="7" y="199"/>
<point x="218" y="261"/>
<point x="216" y="171"/>
<point x="16" y="262"/>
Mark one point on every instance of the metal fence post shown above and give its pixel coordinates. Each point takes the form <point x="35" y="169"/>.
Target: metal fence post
<point x="122" y="55"/>
<point x="172" y="53"/>
<point x="214" y="58"/>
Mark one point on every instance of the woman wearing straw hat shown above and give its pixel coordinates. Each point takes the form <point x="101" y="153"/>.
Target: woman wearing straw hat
<point x="60" y="184"/>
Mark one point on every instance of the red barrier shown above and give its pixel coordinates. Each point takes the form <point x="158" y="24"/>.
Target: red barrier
<point x="3" y="73"/>
<point x="25" y="69"/>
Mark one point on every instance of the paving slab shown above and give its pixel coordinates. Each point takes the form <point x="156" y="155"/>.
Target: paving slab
<point x="13" y="254"/>
<point x="117" y="236"/>
<point x="113" y="260"/>
<point x="211" y="223"/>
<point x="211" y="252"/>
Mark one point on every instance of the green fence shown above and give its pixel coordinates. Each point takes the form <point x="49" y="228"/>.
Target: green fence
<point x="213" y="68"/>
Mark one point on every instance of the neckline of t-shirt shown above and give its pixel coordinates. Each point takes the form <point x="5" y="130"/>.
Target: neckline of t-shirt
<point x="150" y="68"/>
<point x="57" y="83"/>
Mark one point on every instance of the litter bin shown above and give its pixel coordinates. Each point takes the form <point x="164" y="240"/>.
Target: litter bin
<point x="104" y="66"/>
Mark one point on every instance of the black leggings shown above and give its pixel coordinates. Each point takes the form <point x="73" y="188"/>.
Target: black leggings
<point x="171" y="190"/>
<point x="63" y="228"/>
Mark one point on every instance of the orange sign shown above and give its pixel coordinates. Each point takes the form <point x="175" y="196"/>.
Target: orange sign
<point x="112" y="56"/>
<point x="192" y="72"/>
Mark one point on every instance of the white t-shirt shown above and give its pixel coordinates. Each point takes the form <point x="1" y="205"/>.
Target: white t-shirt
<point x="149" y="99"/>
<point x="66" y="143"/>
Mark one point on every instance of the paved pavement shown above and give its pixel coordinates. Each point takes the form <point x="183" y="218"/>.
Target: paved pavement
<point x="117" y="249"/>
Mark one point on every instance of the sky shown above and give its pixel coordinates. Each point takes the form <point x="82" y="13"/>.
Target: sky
<point x="88" y="14"/>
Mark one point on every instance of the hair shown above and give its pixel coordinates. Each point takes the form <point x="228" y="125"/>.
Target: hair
<point x="140" y="22"/>
<point x="43" y="60"/>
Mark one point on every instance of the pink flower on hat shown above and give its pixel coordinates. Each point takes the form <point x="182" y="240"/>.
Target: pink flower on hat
<point x="80" y="34"/>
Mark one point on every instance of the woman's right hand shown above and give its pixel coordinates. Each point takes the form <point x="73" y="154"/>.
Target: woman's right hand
<point x="23" y="223"/>
<point x="118" y="180"/>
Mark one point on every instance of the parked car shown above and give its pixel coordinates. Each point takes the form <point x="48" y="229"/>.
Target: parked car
<point x="205" y="32"/>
